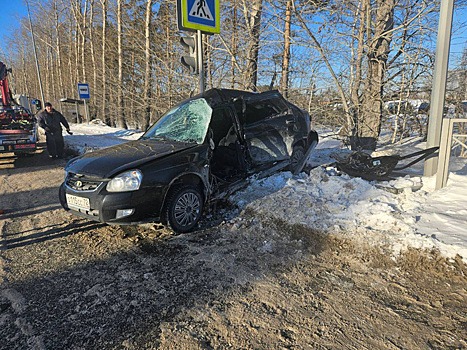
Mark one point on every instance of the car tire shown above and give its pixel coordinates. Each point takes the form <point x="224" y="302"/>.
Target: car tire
<point x="184" y="208"/>
<point x="297" y="157"/>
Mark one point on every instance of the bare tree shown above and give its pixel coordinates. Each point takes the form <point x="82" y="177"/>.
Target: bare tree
<point x="58" y="49"/>
<point x="252" y="12"/>
<point x="121" y="122"/>
<point x="286" y="54"/>
<point x="105" y="115"/>
<point x="368" y="122"/>
<point x="148" y="64"/>
<point x="92" y="47"/>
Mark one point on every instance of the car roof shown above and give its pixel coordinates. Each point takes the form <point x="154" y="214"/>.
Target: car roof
<point x="218" y="96"/>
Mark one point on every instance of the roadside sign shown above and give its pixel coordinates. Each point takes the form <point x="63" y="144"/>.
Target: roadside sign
<point x="200" y="15"/>
<point x="83" y="91"/>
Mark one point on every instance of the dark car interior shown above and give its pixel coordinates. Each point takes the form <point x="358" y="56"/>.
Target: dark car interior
<point x="228" y="161"/>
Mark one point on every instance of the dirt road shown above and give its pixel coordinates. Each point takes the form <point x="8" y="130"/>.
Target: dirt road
<point x="245" y="283"/>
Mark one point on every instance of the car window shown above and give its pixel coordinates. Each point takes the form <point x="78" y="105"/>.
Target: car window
<point x="262" y="109"/>
<point x="187" y="122"/>
<point x="222" y="127"/>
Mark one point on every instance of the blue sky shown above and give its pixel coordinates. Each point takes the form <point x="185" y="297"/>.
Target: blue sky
<point x="11" y="11"/>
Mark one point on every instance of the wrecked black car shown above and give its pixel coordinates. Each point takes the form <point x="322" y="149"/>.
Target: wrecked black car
<point x="200" y="151"/>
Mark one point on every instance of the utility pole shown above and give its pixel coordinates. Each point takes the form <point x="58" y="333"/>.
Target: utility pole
<point x="438" y="91"/>
<point x="35" y="54"/>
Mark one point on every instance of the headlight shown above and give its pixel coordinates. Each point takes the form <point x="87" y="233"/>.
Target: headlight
<point x="127" y="181"/>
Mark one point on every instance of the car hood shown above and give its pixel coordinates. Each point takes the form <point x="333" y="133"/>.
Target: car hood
<point x="109" y="161"/>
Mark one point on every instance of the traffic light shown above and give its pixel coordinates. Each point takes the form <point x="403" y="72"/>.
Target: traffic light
<point x="38" y="104"/>
<point x="191" y="60"/>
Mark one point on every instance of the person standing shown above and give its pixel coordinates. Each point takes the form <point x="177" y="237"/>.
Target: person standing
<point x="50" y="120"/>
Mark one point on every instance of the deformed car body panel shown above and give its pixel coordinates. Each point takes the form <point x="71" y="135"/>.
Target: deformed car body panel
<point x="209" y="144"/>
<point x="109" y="161"/>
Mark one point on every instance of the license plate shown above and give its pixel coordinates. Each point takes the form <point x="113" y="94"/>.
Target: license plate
<point x="27" y="145"/>
<point x="78" y="202"/>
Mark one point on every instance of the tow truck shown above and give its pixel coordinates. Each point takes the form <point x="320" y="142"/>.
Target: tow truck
<point x="18" y="126"/>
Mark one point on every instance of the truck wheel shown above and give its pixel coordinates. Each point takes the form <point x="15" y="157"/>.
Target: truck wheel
<point x="184" y="208"/>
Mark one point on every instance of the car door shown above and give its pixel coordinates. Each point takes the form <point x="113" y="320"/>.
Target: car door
<point x="269" y="128"/>
<point x="228" y="159"/>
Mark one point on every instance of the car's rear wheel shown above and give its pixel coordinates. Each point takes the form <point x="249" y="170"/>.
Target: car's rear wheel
<point x="184" y="208"/>
<point x="296" y="158"/>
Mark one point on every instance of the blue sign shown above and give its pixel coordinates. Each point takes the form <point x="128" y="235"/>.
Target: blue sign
<point x="83" y="91"/>
<point x="200" y="15"/>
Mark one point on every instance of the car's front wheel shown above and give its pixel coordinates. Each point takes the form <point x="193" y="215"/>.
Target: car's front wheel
<point x="184" y="208"/>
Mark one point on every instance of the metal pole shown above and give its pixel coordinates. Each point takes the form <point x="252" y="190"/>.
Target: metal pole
<point x="35" y="54"/>
<point x="444" y="154"/>
<point x="199" y="52"/>
<point x="78" y="120"/>
<point x="438" y="90"/>
<point x="86" y="112"/>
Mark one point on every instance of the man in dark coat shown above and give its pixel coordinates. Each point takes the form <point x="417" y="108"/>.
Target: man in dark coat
<point x="50" y="120"/>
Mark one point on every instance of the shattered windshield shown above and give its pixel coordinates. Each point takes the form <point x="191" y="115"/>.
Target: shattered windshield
<point x="187" y="122"/>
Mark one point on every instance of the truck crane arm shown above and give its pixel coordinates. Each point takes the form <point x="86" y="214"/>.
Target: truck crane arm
<point x="4" y="89"/>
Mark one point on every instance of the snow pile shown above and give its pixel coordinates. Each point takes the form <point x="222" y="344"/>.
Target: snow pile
<point x="95" y="135"/>
<point x="351" y="207"/>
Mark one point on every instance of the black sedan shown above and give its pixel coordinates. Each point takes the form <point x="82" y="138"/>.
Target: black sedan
<point x="201" y="150"/>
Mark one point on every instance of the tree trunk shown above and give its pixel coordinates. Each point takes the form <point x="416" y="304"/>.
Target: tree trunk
<point x="286" y="54"/>
<point x="253" y="20"/>
<point x="234" y="44"/>
<point x="49" y="74"/>
<point x="120" y="98"/>
<point x="356" y="82"/>
<point x="147" y="70"/>
<point x="368" y="125"/>
<point x="58" y="51"/>
<point x="77" y="46"/>
<point x="104" y="114"/>
<point x="83" y="41"/>
<point x="93" y="51"/>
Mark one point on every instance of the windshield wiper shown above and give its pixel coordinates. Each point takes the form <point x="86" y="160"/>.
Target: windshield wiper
<point x="156" y="138"/>
<point x="190" y="141"/>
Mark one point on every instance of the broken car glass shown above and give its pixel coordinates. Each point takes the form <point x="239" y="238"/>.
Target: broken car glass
<point x="187" y="122"/>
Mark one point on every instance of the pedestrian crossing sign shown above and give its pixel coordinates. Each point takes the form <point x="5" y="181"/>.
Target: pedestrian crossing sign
<point x="200" y="15"/>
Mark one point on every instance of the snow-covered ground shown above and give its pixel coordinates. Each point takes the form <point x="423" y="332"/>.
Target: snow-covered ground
<point x="402" y="213"/>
